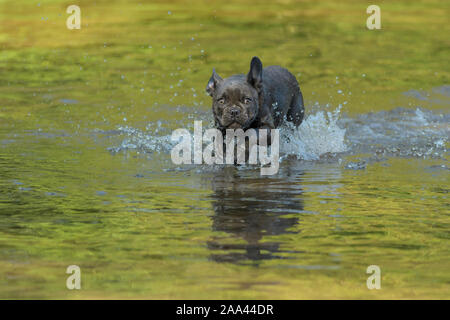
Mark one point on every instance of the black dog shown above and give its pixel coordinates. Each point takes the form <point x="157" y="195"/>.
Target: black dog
<point x="261" y="100"/>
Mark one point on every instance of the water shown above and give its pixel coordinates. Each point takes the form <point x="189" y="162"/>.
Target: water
<point x="350" y="192"/>
<point x="400" y="132"/>
<point x="86" y="176"/>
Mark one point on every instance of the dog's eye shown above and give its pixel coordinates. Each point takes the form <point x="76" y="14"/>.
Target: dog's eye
<point x="247" y="100"/>
<point x="221" y="101"/>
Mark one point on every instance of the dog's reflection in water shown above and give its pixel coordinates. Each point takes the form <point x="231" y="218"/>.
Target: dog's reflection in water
<point x="250" y="209"/>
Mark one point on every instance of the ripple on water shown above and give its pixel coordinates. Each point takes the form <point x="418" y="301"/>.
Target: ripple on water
<point x="399" y="132"/>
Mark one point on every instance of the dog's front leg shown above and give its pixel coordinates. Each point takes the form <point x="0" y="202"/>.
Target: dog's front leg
<point x="266" y="124"/>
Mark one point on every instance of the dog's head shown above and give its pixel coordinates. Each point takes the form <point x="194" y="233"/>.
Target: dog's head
<point x="236" y="99"/>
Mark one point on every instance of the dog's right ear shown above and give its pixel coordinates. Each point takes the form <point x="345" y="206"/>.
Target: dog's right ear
<point x="254" y="77"/>
<point x="213" y="82"/>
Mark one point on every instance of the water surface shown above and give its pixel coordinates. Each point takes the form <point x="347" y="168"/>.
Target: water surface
<point x="86" y="177"/>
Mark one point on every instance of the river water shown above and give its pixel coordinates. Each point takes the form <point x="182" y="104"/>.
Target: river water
<point x="86" y="176"/>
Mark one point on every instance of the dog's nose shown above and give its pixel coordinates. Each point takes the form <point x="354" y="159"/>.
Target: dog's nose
<point x="235" y="112"/>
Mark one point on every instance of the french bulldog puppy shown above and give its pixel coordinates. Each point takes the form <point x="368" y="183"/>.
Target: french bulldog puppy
<point x="262" y="99"/>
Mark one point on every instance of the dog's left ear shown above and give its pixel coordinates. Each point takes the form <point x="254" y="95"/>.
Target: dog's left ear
<point x="254" y="77"/>
<point x="213" y="82"/>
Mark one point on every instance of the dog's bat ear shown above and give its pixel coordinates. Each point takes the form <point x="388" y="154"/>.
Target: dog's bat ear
<point x="213" y="82"/>
<point x="254" y="77"/>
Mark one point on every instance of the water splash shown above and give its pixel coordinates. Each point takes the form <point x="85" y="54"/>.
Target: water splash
<point x="399" y="132"/>
<point x="144" y="141"/>
<point x="318" y="134"/>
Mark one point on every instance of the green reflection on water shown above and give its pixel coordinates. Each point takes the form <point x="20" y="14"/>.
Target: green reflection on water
<point x="140" y="231"/>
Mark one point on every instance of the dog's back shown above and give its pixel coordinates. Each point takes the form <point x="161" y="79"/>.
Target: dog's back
<point x="282" y="95"/>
